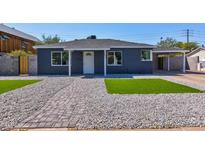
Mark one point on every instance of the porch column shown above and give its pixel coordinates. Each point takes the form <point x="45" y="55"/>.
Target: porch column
<point x="105" y="63"/>
<point x="69" y="62"/>
<point x="168" y="63"/>
<point x="184" y="62"/>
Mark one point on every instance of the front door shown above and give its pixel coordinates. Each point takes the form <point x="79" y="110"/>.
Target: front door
<point x="88" y="62"/>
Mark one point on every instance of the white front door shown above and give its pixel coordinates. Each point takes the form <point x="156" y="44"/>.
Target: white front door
<point x="88" y="62"/>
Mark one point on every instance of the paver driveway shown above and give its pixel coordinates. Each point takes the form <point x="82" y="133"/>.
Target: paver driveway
<point x="84" y="103"/>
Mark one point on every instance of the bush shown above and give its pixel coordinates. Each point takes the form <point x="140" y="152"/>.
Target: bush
<point x="18" y="53"/>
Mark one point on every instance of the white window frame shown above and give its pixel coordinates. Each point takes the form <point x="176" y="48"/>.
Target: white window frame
<point x="115" y="59"/>
<point x="146" y="59"/>
<point x="61" y="52"/>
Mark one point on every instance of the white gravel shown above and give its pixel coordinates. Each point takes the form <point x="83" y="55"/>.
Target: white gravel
<point x="104" y="111"/>
<point x="19" y="104"/>
<point x="84" y="103"/>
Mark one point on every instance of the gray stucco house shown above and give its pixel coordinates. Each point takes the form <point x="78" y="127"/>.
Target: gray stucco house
<point x="102" y="56"/>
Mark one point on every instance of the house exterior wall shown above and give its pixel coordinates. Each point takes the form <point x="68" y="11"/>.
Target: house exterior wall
<point x="77" y="62"/>
<point x="155" y="62"/>
<point x="15" y="43"/>
<point x="131" y="63"/>
<point x="200" y="54"/>
<point x="192" y="63"/>
<point x="99" y="62"/>
<point x="44" y="63"/>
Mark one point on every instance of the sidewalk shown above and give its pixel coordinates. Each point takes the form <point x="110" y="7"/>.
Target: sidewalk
<point x="72" y="129"/>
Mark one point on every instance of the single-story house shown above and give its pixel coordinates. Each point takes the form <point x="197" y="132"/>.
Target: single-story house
<point x="196" y="59"/>
<point x="105" y="56"/>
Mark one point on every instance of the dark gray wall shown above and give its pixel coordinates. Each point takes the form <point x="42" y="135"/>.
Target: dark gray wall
<point x="131" y="63"/>
<point x="99" y="62"/>
<point x="77" y="62"/>
<point x="44" y="63"/>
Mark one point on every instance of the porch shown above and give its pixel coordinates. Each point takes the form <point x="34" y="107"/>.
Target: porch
<point x="87" y="61"/>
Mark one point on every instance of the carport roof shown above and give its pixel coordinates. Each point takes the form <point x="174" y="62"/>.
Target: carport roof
<point x="167" y="50"/>
<point x="98" y="44"/>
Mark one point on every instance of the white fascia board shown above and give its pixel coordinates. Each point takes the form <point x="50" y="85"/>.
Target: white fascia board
<point x="46" y="47"/>
<point x="195" y="51"/>
<point x="151" y="47"/>
<point x="86" y="49"/>
<point x="170" y="51"/>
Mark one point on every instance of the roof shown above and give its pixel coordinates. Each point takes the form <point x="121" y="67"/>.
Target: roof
<point x="195" y="51"/>
<point x="173" y="49"/>
<point x="12" y="31"/>
<point x="95" y="44"/>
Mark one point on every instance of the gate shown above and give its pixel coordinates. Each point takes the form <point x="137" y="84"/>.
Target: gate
<point x="23" y="64"/>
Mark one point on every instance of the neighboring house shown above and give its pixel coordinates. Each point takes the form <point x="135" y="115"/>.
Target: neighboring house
<point x="196" y="59"/>
<point x="105" y="56"/>
<point x="12" y="39"/>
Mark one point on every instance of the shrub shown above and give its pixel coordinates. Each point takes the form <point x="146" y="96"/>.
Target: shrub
<point x="18" y="53"/>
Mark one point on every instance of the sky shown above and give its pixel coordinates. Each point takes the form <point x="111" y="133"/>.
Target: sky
<point x="144" y="33"/>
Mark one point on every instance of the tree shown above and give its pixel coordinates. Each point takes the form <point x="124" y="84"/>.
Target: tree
<point x="187" y="46"/>
<point x="167" y="43"/>
<point x="170" y="43"/>
<point x="50" y="39"/>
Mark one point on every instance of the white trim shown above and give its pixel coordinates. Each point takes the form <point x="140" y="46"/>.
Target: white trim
<point x="48" y="47"/>
<point x="105" y="62"/>
<point x="106" y="48"/>
<point x="114" y="59"/>
<point x="69" y="61"/>
<point x="86" y="49"/>
<point x="148" y="47"/>
<point x="146" y="59"/>
<point x="195" y="51"/>
<point x="184" y="62"/>
<point x="61" y="58"/>
<point x="170" y="51"/>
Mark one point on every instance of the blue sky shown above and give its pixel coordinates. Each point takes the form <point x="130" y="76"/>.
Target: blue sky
<point x="146" y="33"/>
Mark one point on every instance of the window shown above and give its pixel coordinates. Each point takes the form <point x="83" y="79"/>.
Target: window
<point x="114" y="58"/>
<point x="59" y="58"/>
<point x="146" y="55"/>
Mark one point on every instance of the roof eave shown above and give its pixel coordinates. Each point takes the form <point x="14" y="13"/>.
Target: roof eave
<point x="144" y="46"/>
<point x="86" y="48"/>
<point x="169" y="51"/>
<point x="195" y="51"/>
<point x="48" y="47"/>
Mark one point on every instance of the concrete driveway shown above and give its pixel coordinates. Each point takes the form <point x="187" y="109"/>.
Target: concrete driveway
<point x="197" y="79"/>
<point x="82" y="103"/>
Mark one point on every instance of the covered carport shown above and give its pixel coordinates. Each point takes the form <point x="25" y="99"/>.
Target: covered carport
<point x="169" y="59"/>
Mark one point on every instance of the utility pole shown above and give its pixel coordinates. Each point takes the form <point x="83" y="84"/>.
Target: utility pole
<point x="187" y="35"/>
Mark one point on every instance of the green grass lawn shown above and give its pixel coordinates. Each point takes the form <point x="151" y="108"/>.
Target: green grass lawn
<point x="146" y="86"/>
<point x="8" y="85"/>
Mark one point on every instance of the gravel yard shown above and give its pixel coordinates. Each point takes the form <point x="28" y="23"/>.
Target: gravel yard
<point x="85" y="104"/>
<point x="19" y="104"/>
